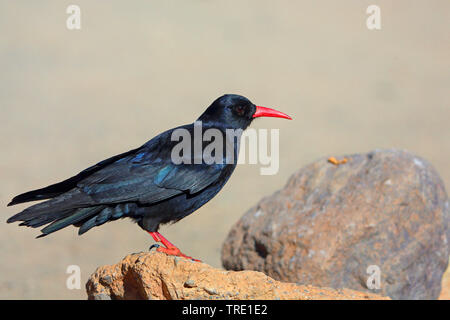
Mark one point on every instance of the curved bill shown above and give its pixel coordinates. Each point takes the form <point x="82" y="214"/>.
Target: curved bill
<point x="267" y="112"/>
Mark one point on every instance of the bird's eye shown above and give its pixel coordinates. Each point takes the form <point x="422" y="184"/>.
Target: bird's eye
<point x="239" y="110"/>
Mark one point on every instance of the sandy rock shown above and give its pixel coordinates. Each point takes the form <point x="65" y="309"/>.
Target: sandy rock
<point x="154" y="275"/>
<point x="387" y="208"/>
<point x="445" y="293"/>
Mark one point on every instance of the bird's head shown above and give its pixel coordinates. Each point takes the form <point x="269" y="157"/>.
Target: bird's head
<point x="237" y="112"/>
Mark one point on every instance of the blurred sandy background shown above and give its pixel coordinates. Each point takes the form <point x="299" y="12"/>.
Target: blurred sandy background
<point x="69" y="99"/>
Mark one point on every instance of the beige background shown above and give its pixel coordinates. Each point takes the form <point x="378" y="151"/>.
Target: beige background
<point x="69" y="99"/>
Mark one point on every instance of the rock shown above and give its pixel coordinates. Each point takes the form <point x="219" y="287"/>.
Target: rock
<point x="387" y="208"/>
<point x="445" y="293"/>
<point x="154" y="275"/>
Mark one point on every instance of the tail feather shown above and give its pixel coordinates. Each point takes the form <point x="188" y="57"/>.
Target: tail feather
<point x="52" y="209"/>
<point x="77" y="216"/>
<point x="107" y="214"/>
<point x="60" y="212"/>
<point x="45" y="218"/>
<point x="72" y="208"/>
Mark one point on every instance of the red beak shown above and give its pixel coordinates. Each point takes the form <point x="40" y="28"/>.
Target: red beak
<point x="267" y="112"/>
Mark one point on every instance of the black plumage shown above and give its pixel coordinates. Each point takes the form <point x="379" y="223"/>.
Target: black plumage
<point x="144" y="183"/>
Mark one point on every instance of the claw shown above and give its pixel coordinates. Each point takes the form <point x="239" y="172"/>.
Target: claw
<point x="155" y="245"/>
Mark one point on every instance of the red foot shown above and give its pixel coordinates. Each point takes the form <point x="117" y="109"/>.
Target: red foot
<point x="170" y="249"/>
<point x="175" y="252"/>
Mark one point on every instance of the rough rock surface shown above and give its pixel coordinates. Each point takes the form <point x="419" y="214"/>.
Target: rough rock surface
<point x="445" y="293"/>
<point x="330" y="222"/>
<point x="158" y="276"/>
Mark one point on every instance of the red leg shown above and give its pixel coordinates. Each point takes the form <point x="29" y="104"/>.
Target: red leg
<point x="170" y="248"/>
<point x="155" y="236"/>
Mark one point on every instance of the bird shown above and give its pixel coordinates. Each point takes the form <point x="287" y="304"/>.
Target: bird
<point x="146" y="184"/>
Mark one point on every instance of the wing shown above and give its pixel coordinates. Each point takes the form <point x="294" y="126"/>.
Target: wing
<point x="147" y="183"/>
<point x="148" y="175"/>
<point x="145" y="175"/>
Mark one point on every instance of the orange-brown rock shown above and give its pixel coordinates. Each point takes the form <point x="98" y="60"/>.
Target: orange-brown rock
<point x="445" y="293"/>
<point x="383" y="214"/>
<point x="154" y="275"/>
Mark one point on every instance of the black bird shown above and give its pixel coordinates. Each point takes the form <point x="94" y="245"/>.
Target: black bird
<point x="145" y="184"/>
